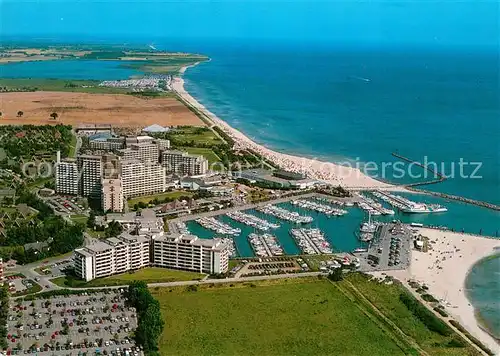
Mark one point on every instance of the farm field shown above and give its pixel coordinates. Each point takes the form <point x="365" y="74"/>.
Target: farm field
<point x="83" y="108"/>
<point x="306" y="317"/>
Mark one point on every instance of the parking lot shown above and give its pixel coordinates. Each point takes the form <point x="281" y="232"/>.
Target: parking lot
<point x="55" y="269"/>
<point x="93" y="324"/>
<point x="390" y="251"/>
<point x="271" y="265"/>
<point x="68" y="204"/>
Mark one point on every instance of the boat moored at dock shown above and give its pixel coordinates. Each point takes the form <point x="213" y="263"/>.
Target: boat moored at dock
<point x="286" y="215"/>
<point x="219" y="227"/>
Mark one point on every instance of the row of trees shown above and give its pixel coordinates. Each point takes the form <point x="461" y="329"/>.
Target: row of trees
<point x="150" y="323"/>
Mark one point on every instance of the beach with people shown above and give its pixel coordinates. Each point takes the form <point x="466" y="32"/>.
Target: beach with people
<point x="336" y="174"/>
<point x="444" y="269"/>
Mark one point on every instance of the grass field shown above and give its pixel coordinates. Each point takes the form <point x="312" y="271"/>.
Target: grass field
<point x="147" y="199"/>
<point x="82" y="219"/>
<point x="386" y="298"/>
<point x="148" y="275"/>
<point x="205" y="152"/>
<point x="81" y="86"/>
<point x="195" y="134"/>
<point x="297" y="317"/>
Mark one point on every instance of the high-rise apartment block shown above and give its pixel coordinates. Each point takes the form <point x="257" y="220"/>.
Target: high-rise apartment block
<point x="183" y="163"/>
<point x="191" y="253"/>
<point x="90" y="170"/>
<point x="111" y="256"/>
<point x="66" y="176"/>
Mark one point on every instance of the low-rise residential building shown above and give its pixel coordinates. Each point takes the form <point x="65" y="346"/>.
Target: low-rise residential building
<point x="190" y="253"/>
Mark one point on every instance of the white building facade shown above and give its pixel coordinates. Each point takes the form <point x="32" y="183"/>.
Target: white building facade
<point x="188" y="252"/>
<point x="111" y="256"/>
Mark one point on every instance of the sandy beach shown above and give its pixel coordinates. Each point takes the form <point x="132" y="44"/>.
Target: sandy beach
<point x="349" y="177"/>
<point x="444" y="270"/>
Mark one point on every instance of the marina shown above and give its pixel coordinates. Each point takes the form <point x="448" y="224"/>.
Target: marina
<point x="219" y="227"/>
<point x="286" y="215"/>
<point x="252" y="220"/>
<point x="265" y="245"/>
<point x="408" y="206"/>
<point x="311" y="241"/>
<point x="372" y="207"/>
<point x="320" y="208"/>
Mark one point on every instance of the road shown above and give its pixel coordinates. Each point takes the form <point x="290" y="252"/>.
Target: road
<point x="184" y="283"/>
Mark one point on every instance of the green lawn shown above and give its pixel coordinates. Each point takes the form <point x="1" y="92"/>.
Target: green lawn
<point x="79" y="219"/>
<point x="147" y="199"/>
<point x="205" y="152"/>
<point x="95" y="234"/>
<point x="198" y="135"/>
<point x="148" y="275"/>
<point x="386" y="298"/>
<point x="291" y="317"/>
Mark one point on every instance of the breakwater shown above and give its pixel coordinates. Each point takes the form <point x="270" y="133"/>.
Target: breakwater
<point x="457" y="198"/>
<point x="440" y="177"/>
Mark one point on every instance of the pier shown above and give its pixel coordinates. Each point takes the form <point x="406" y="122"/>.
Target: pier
<point x="251" y="220"/>
<point x="320" y="208"/>
<point x="284" y="214"/>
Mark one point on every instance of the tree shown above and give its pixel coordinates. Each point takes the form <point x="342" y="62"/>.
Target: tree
<point x="54" y="115"/>
<point x="91" y="220"/>
<point x="114" y="229"/>
<point x="336" y="275"/>
<point x="20" y="113"/>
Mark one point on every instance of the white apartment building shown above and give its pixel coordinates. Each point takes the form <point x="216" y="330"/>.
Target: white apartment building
<point x="108" y="144"/>
<point x="90" y="169"/>
<point x="111" y="256"/>
<point x="190" y="253"/>
<point x="112" y="195"/>
<point x="162" y="144"/>
<point x="140" y="178"/>
<point x="66" y="174"/>
<point x="145" y="152"/>
<point x="183" y="163"/>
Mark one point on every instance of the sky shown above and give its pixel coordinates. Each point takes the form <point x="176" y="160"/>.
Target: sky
<point x="438" y="22"/>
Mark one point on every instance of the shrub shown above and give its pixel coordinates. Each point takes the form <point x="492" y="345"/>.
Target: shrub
<point x="441" y="312"/>
<point x="431" y="321"/>
<point x="478" y="343"/>
<point x="429" y="298"/>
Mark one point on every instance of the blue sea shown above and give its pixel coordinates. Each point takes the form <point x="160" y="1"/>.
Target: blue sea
<point x="353" y="105"/>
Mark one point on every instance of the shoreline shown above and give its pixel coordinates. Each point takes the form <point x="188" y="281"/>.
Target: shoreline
<point x="331" y="173"/>
<point x="444" y="270"/>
